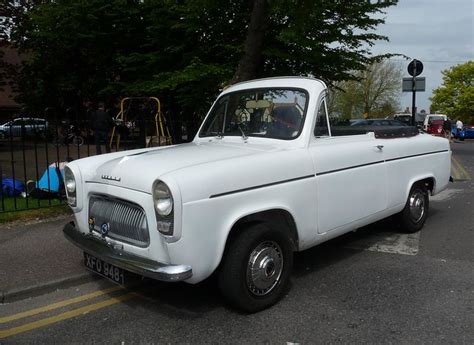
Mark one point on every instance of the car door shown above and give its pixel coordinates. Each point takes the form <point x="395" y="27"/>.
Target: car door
<point x="15" y="128"/>
<point x="351" y="174"/>
<point x="20" y="127"/>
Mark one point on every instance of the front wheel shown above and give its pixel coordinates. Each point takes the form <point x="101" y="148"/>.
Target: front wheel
<point x="413" y="216"/>
<point x="256" y="268"/>
<point x="77" y="140"/>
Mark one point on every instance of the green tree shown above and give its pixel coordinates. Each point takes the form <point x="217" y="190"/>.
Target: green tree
<point x="74" y="50"/>
<point x="375" y="93"/>
<point x="327" y="39"/>
<point x="455" y="97"/>
<point x="184" y="52"/>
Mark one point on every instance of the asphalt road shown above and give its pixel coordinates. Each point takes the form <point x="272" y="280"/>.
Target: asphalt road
<point x="371" y="286"/>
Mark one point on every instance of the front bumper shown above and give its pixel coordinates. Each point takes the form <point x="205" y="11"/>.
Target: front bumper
<point x="112" y="253"/>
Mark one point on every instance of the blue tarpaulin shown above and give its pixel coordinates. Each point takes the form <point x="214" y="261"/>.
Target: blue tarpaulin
<point x="50" y="180"/>
<point x="11" y="187"/>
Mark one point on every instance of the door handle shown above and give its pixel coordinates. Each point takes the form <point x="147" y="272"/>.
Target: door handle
<point x="380" y="147"/>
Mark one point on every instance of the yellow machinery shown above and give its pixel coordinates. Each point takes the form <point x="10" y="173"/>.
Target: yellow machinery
<point x="162" y="133"/>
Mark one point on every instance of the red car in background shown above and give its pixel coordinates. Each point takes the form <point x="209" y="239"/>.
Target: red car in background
<point x="435" y="127"/>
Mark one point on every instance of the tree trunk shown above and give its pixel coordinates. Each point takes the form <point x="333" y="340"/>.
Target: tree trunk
<point x="250" y="62"/>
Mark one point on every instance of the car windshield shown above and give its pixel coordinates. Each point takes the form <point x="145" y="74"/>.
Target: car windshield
<point x="272" y="113"/>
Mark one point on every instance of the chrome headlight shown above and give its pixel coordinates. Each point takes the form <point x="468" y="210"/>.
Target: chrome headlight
<point x="163" y="204"/>
<point x="70" y="184"/>
<point x="162" y="198"/>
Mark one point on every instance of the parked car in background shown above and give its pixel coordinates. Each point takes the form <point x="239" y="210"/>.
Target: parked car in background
<point x="268" y="174"/>
<point x="23" y="126"/>
<point x="378" y="122"/>
<point x="406" y="119"/>
<point x="435" y="127"/>
<point x="433" y="117"/>
<point x="468" y="132"/>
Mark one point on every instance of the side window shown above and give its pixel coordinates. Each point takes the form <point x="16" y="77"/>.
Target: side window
<point x="321" y="129"/>
<point x="18" y="122"/>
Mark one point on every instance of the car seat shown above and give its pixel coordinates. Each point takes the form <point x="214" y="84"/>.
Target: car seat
<point x="286" y="123"/>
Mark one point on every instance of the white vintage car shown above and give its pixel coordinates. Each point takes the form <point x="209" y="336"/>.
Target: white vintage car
<point x="268" y="173"/>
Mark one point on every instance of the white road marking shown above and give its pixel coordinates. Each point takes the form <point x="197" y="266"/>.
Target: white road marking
<point x="397" y="243"/>
<point x="388" y="242"/>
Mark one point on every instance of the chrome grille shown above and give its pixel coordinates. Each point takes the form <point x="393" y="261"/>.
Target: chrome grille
<point x="127" y="221"/>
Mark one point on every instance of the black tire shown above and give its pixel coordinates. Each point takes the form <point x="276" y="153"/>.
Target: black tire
<point x="77" y="140"/>
<point x="413" y="216"/>
<point x="256" y="246"/>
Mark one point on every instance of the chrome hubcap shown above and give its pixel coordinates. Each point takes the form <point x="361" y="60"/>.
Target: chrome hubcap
<point x="264" y="268"/>
<point x="417" y="206"/>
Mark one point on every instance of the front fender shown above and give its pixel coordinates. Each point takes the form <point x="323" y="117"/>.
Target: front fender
<point x="207" y="223"/>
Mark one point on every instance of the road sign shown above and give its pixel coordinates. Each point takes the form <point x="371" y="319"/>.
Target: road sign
<point x="420" y="84"/>
<point x="414" y="84"/>
<point x="415" y="67"/>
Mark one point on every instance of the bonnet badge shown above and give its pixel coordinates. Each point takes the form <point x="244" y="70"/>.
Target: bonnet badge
<point x="110" y="178"/>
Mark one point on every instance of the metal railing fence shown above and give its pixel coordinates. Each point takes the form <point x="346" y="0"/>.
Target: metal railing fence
<point x="33" y="152"/>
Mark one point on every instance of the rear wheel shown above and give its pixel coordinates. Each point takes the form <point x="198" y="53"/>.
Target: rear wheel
<point x="256" y="268"/>
<point x="414" y="215"/>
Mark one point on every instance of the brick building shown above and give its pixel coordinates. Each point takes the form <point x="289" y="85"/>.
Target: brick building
<point x="8" y="107"/>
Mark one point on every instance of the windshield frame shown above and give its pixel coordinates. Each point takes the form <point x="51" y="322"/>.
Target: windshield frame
<point x="218" y="103"/>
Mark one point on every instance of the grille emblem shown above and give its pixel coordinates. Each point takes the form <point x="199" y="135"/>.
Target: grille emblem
<point x="110" y="178"/>
<point x="104" y="229"/>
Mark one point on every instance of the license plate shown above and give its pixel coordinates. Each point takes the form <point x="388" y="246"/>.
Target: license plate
<point x="109" y="271"/>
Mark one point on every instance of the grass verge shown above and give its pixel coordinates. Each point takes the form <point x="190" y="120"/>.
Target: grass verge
<point x="23" y="209"/>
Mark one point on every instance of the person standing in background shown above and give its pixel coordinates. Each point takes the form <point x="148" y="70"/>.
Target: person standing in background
<point x="459" y="126"/>
<point x="101" y="124"/>
<point x="447" y="129"/>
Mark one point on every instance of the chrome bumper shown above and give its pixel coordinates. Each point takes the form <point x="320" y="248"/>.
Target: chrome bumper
<point x="112" y="253"/>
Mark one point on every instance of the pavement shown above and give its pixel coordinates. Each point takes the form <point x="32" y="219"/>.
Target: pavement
<point x="36" y="258"/>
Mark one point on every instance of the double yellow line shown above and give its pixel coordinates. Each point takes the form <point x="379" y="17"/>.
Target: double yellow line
<point x="459" y="171"/>
<point x="63" y="316"/>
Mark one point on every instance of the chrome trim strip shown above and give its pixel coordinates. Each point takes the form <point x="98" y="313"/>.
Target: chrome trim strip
<point x="347" y="168"/>
<point x="261" y="186"/>
<point x="322" y="173"/>
<point x="417" y="155"/>
<point x="113" y="253"/>
<point x="379" y="162"/>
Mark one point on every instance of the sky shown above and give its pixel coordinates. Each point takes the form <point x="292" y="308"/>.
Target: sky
<point x="440" y="33"/>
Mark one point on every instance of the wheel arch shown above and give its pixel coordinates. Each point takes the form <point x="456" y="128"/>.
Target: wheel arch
<point x="277" y="216"/>
<point x="427" y="181"/>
